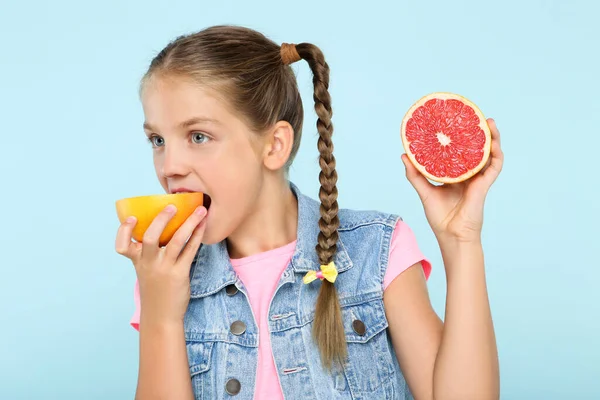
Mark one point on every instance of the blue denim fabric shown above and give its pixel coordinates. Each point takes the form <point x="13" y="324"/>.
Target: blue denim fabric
<point x="217" y="355"/>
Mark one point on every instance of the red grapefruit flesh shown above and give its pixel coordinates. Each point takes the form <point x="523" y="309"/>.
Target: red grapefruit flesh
<point x="446" y="137"/>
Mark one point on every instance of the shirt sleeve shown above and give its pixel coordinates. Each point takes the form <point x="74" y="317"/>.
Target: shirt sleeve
<point x="135" y="319"/>
<point x="404" y="252"/>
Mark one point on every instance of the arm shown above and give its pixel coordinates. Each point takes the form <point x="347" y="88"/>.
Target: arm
<point x="164" y="291"/>
<point x="467" y="356"/>
<point x="164" y="372"/>
<point x="455" y="360"/>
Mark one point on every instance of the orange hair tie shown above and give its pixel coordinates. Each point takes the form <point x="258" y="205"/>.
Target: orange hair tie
<point x="289" y="54"/>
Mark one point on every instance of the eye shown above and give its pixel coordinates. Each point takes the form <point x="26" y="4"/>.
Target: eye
<point x="156" y="141"/>
<point x="199" y="138"/>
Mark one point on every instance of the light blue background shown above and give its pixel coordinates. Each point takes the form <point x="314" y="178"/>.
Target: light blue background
<point x="70" y="122"/>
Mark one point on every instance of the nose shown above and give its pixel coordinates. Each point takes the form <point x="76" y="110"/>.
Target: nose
<point x="173" y="163"/>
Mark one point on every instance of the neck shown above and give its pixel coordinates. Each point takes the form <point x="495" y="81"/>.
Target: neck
<point x="273" y="224"/>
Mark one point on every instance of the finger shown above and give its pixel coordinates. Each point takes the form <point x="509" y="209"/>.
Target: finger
<point x="191" y="248"/>
<point x="416" y="179"/>
<point x="494" y="129"/>
<point x="184" y="232"/>
<point x="152" y="235"/>
<point x="496" y="160"/>
<point x="123" y="244"/>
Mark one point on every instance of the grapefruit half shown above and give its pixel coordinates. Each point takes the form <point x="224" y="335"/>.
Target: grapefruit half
<point x="446" y="137"/>
<point x="146" y="208"/>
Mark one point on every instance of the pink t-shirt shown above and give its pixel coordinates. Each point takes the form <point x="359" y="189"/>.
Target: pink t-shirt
<point x="260" y="274"/>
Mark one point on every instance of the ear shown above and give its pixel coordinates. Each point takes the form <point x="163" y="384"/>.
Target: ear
<point x="278" y="145"/>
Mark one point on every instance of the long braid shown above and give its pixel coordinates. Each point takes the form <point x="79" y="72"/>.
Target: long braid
<point x="328" y="328"/>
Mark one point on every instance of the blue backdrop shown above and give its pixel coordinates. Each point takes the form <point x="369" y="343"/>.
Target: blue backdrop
<point x="69" y="111"/>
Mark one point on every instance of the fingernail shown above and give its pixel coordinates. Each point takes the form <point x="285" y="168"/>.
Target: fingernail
<point x="130" y="220"/>
<point x="170" y="208"/>
<point x="200" y="211"/>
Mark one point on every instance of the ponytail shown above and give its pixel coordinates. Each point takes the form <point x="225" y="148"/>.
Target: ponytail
<point x="328" y="328"/>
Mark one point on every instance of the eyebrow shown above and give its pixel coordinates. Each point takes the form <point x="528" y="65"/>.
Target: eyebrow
<point x="187" y="123"/>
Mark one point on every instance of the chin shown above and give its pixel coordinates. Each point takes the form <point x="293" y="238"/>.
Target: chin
<point x="210" y="236"/>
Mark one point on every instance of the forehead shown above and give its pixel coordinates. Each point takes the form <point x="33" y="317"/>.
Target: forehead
<point x="170" y="101"/>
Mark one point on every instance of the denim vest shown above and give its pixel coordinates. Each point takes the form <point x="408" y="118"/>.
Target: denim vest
<point x="222" y="335"/>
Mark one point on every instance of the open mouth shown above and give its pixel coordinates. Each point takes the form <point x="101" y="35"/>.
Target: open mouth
<point x="207" y="201"/>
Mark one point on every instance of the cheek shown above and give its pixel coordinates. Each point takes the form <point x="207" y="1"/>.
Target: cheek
<point x="158" y="168"/>
<point x="157" y="160"/>
<point x="236" y="179"/>
<point x="240" y="164"/>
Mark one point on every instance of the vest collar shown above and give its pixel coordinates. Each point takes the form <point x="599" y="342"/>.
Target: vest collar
<point x="212" y="269"/>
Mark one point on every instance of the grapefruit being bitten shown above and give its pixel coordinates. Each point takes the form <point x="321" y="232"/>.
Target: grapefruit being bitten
<point x="146" y="208"/>
<point x="446" y="137"/>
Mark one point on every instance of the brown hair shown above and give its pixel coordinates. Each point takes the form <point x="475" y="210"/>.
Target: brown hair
<point x="253" y="74"/>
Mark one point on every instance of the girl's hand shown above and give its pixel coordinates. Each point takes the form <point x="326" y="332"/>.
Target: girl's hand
<point x="163" y="273"/>
<point x="455" y="211"/>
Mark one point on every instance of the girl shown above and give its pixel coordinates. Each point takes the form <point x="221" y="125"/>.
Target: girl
<point x="269" y="294"/>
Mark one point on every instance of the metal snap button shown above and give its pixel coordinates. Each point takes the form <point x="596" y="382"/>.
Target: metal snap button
<point x="238" y="327"/>
<point x="233" y="387"/>
<point x="359" y="327"/>
<point x="231" y="290"/>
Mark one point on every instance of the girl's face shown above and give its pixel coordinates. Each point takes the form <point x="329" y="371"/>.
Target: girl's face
<point x="198" y="144"/>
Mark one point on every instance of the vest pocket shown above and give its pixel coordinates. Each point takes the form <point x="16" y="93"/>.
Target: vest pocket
<point x="369" y="367"/>
<point x="199" y="360"/>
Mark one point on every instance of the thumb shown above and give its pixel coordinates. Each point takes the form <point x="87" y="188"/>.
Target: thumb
<point x="416" y="179"/>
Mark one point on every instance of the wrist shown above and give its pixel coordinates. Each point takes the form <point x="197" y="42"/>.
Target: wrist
<point x="151" y="322"/>
<point x="462" y="256"/>
<point x="464" y="234"/>
<point x="449" y="241"/>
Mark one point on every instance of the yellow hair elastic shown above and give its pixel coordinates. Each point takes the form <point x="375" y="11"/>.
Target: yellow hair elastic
<point x="328" y="272"/>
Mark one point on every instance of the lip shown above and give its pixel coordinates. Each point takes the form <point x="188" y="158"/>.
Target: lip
<point x="181" y="190"/>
